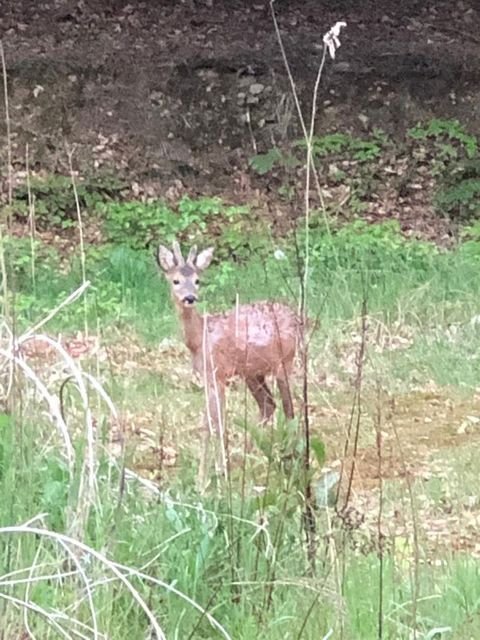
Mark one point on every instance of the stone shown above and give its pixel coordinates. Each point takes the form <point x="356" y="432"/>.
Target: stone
<point x="256" y="88"/>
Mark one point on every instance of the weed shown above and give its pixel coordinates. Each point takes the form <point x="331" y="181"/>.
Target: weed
<point x="372" y="247"/>
<point x="459" y="190"/>
<point x="139" y="224"/>
<point x="460" y="201"/>
<point x="359" y="154"/>
<point x="336" y="146"/>
<point x="263" y="163"/>
<point x="54" y="199"/>
<point x="18" y="254"/>
<point x="452" y="131"/>
<point x="330" y="144"/>
<point x="356" y="205"/>
<point x="342" y="144"/>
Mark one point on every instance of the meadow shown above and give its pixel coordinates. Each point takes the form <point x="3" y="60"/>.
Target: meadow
<point x="103" y="531"/>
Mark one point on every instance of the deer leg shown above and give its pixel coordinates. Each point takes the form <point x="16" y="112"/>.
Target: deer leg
<point x="284" y="388"/>
<point x="263" y="396"/>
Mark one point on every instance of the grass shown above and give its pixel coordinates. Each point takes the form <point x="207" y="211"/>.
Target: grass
<point x="238" y="553"/>
<point x="213" y="559"/>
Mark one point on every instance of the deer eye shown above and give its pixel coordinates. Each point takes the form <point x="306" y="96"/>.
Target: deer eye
<point x="176" y="282"/>
<point x="197" y="281"/>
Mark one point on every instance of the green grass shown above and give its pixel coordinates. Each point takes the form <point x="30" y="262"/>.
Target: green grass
<point x="400" y="279"/>
<point x="212" y="548"/>
<point x="214" y="561"/>
<point x="219" y="563"/>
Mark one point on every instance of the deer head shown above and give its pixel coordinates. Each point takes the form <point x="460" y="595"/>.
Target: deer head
<point x="182" y="274"/>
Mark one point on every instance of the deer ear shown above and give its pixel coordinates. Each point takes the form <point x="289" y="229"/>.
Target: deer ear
<point x="165" y="258"/>
<point x="204" y="258"/>
<point x="192" y="255"/>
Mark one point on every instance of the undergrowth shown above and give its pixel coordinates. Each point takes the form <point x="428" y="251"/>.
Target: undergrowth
<point x="441" y="149"/>
<point x="249" y="576"/>
<point x="400" y="276"/>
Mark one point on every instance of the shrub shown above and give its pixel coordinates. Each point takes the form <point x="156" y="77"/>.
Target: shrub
<point x="54" y="198"/>
<point x="371" y="247"/>
<point x="448" y="136"/>
<point x="140" y="224"/>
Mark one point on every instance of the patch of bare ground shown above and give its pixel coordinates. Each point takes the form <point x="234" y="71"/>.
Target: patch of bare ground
<point x="177" y="96"/>
<point x="424" y="434"/>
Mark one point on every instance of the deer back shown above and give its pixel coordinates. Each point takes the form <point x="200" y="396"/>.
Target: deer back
<point x="251" y="340"/>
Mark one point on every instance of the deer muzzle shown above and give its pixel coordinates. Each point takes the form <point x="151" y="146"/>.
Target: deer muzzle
<point x="189" y="299"/>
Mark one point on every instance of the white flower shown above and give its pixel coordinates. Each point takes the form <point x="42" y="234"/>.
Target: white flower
<point x="279" y="255"/>
<point x="331" y="38"/>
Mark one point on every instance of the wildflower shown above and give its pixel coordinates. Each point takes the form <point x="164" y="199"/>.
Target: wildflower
<point x="279" y="255"/>
<point x="331" y="38"/>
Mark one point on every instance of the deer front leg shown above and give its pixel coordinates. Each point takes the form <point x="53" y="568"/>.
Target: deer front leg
<point x="263" y="396"/>
<point x="284" y="388"/>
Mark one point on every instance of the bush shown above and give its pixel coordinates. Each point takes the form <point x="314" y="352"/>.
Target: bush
<point x="54" y="202"/>
<point x="140" y="224"/>
<point x="370" y="247"/>
<point x="449" y="138"/>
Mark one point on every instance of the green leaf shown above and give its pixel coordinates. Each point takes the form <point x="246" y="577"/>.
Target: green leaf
<point x="318" y="448"/>
<point x="264" y="162"/>
<point x="326" y="489"/>
<point x="5" y="420"/>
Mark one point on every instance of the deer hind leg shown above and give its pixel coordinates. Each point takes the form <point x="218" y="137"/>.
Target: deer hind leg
<point x="284" y="388"/>
<point x="263" y="396"/>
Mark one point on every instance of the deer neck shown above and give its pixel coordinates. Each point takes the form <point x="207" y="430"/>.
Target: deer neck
<point x="192" y="323"/>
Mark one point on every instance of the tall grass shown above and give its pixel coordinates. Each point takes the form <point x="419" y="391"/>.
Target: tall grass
<point x="235" y="558"/>
<point x="221" y="562"/>
<point x="406" y="282"/>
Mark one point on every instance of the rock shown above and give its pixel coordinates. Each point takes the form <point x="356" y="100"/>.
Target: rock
<point x="326" y="489"/>
<point x="364" y="119"/>
<point x="157" y="98"/>
<point x="342" y="67"/>
<point x="256" y="88"/>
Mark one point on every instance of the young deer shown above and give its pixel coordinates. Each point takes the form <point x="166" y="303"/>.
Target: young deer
<point x="250" y="341"/>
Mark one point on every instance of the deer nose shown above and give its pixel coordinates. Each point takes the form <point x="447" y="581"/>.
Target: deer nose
<point x="190" y="299"/>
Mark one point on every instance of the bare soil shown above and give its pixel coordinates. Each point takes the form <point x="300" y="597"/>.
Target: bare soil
<point x="177" y="96"/>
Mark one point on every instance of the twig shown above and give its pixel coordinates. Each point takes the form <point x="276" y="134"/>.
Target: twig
<point x="8" y="129"/>
<point x="378" y="430"/>
<point x="87" y="491"/>
<point x="118" y="570"/>
<point x="80" y="233"/>
<point x="31" y="219"/>
<point x="51" y="401"/>
<point x="3" y="267"/>
<point x="356" y="412"/>
<point x="416" y="544"/>
<point x="71" y="298"/>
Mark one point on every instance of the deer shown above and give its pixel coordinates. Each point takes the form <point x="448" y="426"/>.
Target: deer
<point x="251" y="341"/>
